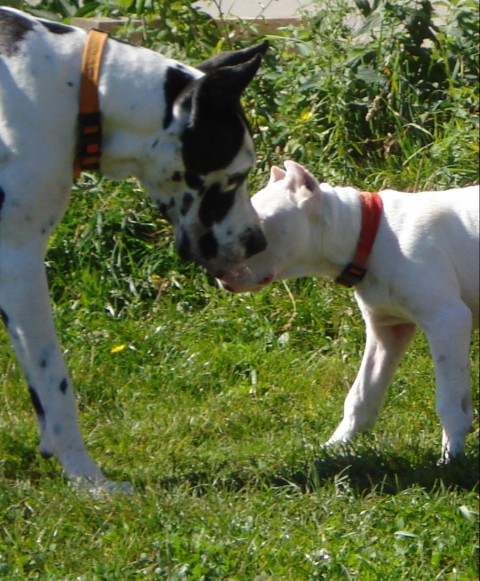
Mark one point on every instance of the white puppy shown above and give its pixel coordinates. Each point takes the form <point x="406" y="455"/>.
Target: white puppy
<point x="423" y="270"/>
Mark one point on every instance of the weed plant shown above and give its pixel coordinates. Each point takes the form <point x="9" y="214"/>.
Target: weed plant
<point x="215" y="406"/>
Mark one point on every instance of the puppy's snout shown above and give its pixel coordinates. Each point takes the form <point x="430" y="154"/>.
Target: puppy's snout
<point x="255" y="242"/>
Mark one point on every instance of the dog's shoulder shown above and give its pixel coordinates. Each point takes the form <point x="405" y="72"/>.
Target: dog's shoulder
<point x="18" y="27"/>
<point x="443" y="218"/>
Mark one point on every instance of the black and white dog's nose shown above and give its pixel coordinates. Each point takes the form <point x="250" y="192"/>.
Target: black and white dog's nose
<point x="255" y="242"/>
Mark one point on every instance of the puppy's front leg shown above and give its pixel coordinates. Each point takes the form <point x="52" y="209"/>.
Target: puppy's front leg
<point x="384" y="348"/>
<point x="26" y="311"/>
<point x="448" y="332"/>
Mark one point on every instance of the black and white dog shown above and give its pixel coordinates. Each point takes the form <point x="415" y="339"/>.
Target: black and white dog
<point x="179" y="129"/>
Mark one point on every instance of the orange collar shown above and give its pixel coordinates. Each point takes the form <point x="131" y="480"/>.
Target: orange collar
<point x="354" y="272"/>
<point x="89" y="143"/>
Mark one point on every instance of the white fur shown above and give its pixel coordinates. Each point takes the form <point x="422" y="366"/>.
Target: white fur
<point x="423" y="272"/>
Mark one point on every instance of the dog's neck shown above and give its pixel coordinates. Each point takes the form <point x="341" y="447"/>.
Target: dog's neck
<point x="341" y="223"/>
<point x="133" y="117"/>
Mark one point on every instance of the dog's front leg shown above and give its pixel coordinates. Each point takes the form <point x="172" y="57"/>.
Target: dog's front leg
<point x="26" y="311"/>
<point x="448" y="332"/>
<point x="384" y="348"/>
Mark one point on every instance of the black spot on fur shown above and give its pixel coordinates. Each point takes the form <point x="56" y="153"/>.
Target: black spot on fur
<point x="213" y="140"/>
<point x="177" y="177"/>
<point x="182" y="67"/>
<point x="184" y="247"/>
<point x="208" y="245"/>
<point x="176" y="80"/>
<point x="56" y="27"/>
<point x="186" y="203"/>
<point x="165" y="208"/>
<point x="254" y="241"/>
<point x="193" y="180"/>
<point x="63" y="385"/>
<point x="2" y="198"/>
<point x="215" y="205"/>
<point x="43" y="363"/>
<point x="37" y="404"/>
<point x="14" y="28"/>
<point x="4" y="317"/>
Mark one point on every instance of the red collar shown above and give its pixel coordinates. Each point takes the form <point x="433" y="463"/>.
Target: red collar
<point x="89" y="142"/>
<point x="353" y="273"/>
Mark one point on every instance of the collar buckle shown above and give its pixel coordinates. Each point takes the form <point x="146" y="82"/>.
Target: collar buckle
<point x="89" y="141"/>
<point x="351" y="275"/>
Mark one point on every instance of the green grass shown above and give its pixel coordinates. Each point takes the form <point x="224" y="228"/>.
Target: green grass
<point x="216" y="413"/>
<point x="215" y="406"/>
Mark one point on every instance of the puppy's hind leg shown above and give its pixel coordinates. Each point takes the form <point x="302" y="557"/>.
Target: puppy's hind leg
<point x="448" y="333"/>
<point x="385" y="345"/>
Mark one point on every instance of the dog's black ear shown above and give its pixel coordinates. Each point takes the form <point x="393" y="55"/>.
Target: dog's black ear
<point x="215" y="127"/>
<point x="232" y="58"/>
<point x="225" y="85"/>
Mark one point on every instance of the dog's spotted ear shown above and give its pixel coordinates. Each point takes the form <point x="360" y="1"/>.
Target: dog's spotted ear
<point x="232" y="58"/>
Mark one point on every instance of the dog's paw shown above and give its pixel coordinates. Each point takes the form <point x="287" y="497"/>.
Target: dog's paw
<point x="102" y="488"/>
<point x="447" y="459"/>
<point x="339" y="438"/>
<point x="337" y="447"/>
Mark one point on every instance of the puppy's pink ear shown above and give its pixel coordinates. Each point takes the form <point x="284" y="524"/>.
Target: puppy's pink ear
<point x="300" y="182"/>
<point x="276" y="174"/>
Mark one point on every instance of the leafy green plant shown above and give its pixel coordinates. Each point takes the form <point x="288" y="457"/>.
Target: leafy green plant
<point x="379" y="93"/>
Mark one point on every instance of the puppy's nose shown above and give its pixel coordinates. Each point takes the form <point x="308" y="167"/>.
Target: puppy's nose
<point x="255" y="242"/>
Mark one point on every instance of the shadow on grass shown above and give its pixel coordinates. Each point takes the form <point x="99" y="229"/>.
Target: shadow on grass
<point x="391" y="473"/>
<point x="362" y="470"/>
